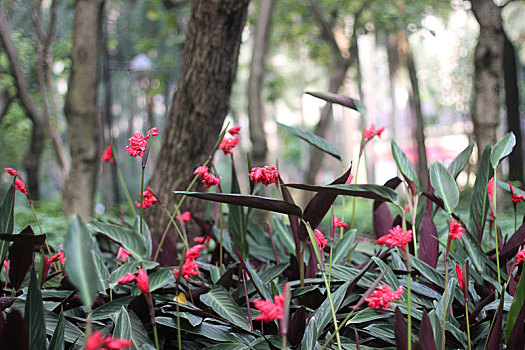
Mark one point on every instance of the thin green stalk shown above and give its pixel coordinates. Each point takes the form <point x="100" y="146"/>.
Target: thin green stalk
<point x="341" y="230"/>
<point x="414" y="211"/>
<point x="301" y="264"/>
<point x="409" y="301"/>
<point x="125" y="190"/>
<point x="468" y="327"/>
<point x="284" y="346"/>
<point x="141" y="199"/>
<point x="445" y="298"/>
<point x="338" y="329"/>
<point x="220" y="239"/>
<point x="334" y="317"/>
<point x="155" y="336"/>
<point x="179" y="340"/>
<point x="354" y="199"/>
<point x="330" y="264"/>
<point x="496" y="227"/>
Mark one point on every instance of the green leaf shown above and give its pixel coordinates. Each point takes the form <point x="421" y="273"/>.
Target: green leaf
<point x="146" y="233"/>
<point x="122" y="325"/>
<point x="102" y="272"/>
<point x="257" y="281"/>
<point x="80" y="265"/>
<point x="71" y="333"/>
<point x="139" y="336"/>
<point x="390" y="276"/>
<point x="103" y="312"/>
<point x="515" y="307"/>
<point x="129" y="239"/>
<point x="34" y="315"/>
<point x="445" y="186"/>
<point x="314" y="140"/>
<point x="6" y="219"/>
<point x="367" y="315"/>
<point x="375" y="192"/>
<point x="220" y="301"/>
<point x="310" y="335"/>
<point x="342" y="249"/>
<point x="161" y="278"/>
<point x="461" y="160"/>
<point x="57" y="341"/>
<point x="212" y="331"/>
<point x="342" y="100"/>
<point x="502" y="149"/>
<point x="323" y="314"/>
<point x="284" y="234"/>
<point x="403" y="164"/>
<point x="441" y="307"/>
<point x="236" y="218"/>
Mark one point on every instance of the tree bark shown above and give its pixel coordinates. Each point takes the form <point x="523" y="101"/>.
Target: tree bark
<point x="512" y="103"/>
<point x="81" y="109"/>
<point x="255" y="83"/>
<point x="488" y="63"/>
<point x="201" y="102"/>
<point x="415" y="102"/>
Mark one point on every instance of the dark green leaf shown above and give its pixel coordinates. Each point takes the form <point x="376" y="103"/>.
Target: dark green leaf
<point x="342" y="249"/>
<point x="403" y="164"/>
<point x="515" y="307"/>
<point x="314" y="140"/>
<point x="461" y="160"/>
<point x="80" y="266"/>
<point x="57" y="341"/>
<point x="344" y="101"/>
<point x="6" y="219"/>
<point x="363" y="191"/>
<point x="221" y="302"/>
<point x="103" y="312"/>
<point x="102" y="272"/>
<point x="323" y="314"/>
<point x="237" y="218"/>
<point x="502" y="149"/>
<point x="310" y="334"/>
<point x="445" y="186"/>
<point x="21" y="254"/>
<point x="129" y="239"/>
<point x="479" y="202"/>
<point x="146" y="233"/>
<point x="122" y="325"/>
<point x="34" y="315"/>
<point x="71" y="333"/>
<point x="257" y="281"/>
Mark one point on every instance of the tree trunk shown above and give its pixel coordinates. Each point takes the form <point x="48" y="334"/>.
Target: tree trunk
<point x="32" y="161"/>
<point x="255" y="83"/>
<point x="415" y="102"/>
<point x="81" y="109"/>
<point x="201" y="102"/>
<point x="512" y="102"/>
<point x="488" y="63"/>
<point x="393" y="63"/>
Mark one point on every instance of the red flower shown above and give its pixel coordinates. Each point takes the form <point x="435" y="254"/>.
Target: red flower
<point x="234" y="131"/>
<point x="149" y="199"/>
<point x="107" y="156"/>
<point x="369" y="133"/>
<point x="194" y="252"/>
<point x="455" y="229"/>
<point x="128" y="277"/>
<point x="123" y="254"/>
<point x="490" y="188"/>
<point x="143" y="281"/>
<point x="349" y="180"/>
<point x="227" y="144"/>
<point x="95" y="342"/>
<point x="267" y="175"/>
<point x="137" y="143"/>
<point x="321" y="240"/>
<point x="339" y="223"/>
<point x="6" y="266"/>
<point x="11" y="171"/>
<point x="396" y="238"/>
<point x="189" y="269"/>
<point x="201" y="170"/>
<point x="382" y="296"/>
<point x="210" y="180"/>
<point x="21" y="186"/>
<point x="516" y="198"/>
<point x="460" y="277"/>
<point x="270" y="311"/>
<point x="201" y="240"/>
<point x="520" y="257"/>
<point x="185" y="217"/>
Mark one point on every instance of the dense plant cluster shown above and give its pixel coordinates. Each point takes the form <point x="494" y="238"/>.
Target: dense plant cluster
<point x="286" y="285"/>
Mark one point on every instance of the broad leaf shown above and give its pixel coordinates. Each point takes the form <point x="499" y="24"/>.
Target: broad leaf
<point x="518" y="331"/>
<point x="34" y="315"/>
<point x="71" y="333"/>
<point x="256" y="202"/>
<point x="426" y="334"/>
<point x="344" y="101"/>
<point x="342" y="249"/>
<point x="103" y="312"/>
<point x="319" y="255"/>
<point x="297" y="326"/>
<point x="400" y="330"/>
<point x="221" y="302"/>
<point x="510" y="248"/>
<point x="237" y="217"/>
<point x="314" y="140"/>
<point x="146" y="234"/>
<point x="122" y="325"/>
<point x="102" y="272"/>
<point x="6" y="219"/>
<point x="495" y="340"/>
<point x="80" y="265"/>
<point x="14" y="334"/>
<point x="310" y="335"/>
<point x="57" y="341"/>
<point x="323" y="314"/>
<point x="515" y="307"/>
<point x="404" y="165"/>
<point x="376" y="192"/>
<point x="444" y="186"/>
<point x="479" y="202"/>
<point x="461" y="160"/>
<point x="128" y="238"/>
<point x="21" y="254"/>
<point x="428" y="241"/>
<point x="257" y="281"/>
<point x="502" y="149"/>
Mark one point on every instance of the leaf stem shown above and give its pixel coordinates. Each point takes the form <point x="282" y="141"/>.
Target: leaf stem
<point x="445" y="297"/>
<point x="333" y="311"/>
<point x="141" y="198"/>
<point x="496" y="226"/>
<point x="468" y="327"/>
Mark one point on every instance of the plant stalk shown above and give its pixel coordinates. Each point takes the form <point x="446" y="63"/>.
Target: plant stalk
<point x="141" y="198"/>
<point x="333" y="311"/>
<point x="354" y="198"/>
<point x="445" y="297"/>
<point x="468" y="326"/>
<point x="496" y="227"/>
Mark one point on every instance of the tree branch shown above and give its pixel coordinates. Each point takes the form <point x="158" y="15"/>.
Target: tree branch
<point x="326" y="30"/>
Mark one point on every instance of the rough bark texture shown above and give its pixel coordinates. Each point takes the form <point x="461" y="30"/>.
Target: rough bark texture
<point x="415" y="102"/>
<point x="255" y="83"/>
<point x="512" y="103"/>
<point x="81" y="109"/>
<point x="488" y="63"/>
<point x="200" y="103"/>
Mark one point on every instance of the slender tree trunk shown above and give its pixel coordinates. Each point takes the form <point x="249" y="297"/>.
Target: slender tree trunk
<point x="255" y="83"/>
<point x="512" y="102"/>
<point x="201" y="102"/>
<point x="488" y="63"/>
<point x="415" y="102"/>
<point x="81" y="109"/>
<point x="393" y="63"/>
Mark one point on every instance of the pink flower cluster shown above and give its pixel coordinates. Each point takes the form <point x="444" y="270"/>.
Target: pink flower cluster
<point x="455" y="230"/>
<point x="516" y="198"/>
<point x="190" y="268"/>
<point x="320" y="238"/>
<point x="149" y="199"/>
<point x="19" y="184"/>
<point x="141" y="278"/>
<point x="339" y="223"/>
<point x="228" y="143"/>
<point x="267" y="175"/>
<point x="396" y="238"/>
<point x="138" y="143"/>
<point x="382" y="296"/>
<point x="369" y="133"/>
<point x="208" y="179"/>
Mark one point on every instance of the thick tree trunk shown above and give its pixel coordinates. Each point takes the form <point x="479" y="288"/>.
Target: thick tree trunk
<point x="201" y="102"/>
<point x="415" y="102"/>
<point x="488" y="63"/>
<point x="255" y="83"/>
<point x="81" y="109"/>
<point x="512" y="102"/>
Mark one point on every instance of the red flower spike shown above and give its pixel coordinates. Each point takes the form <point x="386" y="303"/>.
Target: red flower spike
<point x="21" y="186"/>
<point x="107" y="156"/>
<point x="201" y="170"/>
<point x="201" y="240"/>
<point x="11" y="171"/>
<point x="94" y="341"/>
<point x="149" y="199"/>
<point x="111" y="343"/>
<point x="189" y="269"/>
<point x="516" y="198"/>
<point x="210" y="180"/>
<point x="234" y="131"/>
<point x="143" y="281"/>
<point x="270" y="311"/>
<point x="227" y="144"/>
<point x="267" y="175"/>
<point x="383" y="296"/>
<point x="459" y="273"/>
<point x="320" y="238"/>
<point x="520" y="257"/>
<point x="137" y="143"/>
<point x="455" y="230"/>
<point x="128" y="277"/>
<point x="339" y="223"/>
<point x="123" y="254"/>
<point x="185" y="217"/>
<point x="369" y="133"/>
<point x="396" y="238"/>
<point x="490" y="188"/>
<point x="194" y="252"/>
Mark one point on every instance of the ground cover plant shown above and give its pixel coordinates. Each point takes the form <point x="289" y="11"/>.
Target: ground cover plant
<point x="283" y="285"/>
